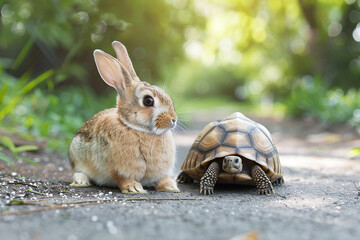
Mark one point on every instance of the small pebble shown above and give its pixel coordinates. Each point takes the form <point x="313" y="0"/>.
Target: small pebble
<point x="94" y="218"/>
<point x="111" y="227"/>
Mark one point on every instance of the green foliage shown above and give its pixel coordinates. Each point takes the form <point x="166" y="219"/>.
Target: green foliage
<point x="309" y="97"/>
<point x="63" y="34"/>
<point x="55" y="116"/>
<point x="272" y="43"/>
<point x="9" y="99"/>
<point x="206" y="82"/>
<point x="7" y="142"/>
<point x="12" y="93"/>
<point x="22" y="55"/>
<point x="56" y="31"/>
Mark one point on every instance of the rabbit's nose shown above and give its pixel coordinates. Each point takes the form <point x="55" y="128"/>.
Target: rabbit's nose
<point x="173" y="122"/>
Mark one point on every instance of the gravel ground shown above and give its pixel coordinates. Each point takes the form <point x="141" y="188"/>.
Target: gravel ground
<point x="318" y="201"/>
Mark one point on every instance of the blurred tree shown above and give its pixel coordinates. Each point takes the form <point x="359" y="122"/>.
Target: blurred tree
<point x="39" y="35"/>
<point x="256" y="47"/>
<point x="270" y="45"/>
<point x="332" y="42"/>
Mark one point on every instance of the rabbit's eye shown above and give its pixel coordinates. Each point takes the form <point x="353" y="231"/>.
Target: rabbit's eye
<point x="148" y="101"/>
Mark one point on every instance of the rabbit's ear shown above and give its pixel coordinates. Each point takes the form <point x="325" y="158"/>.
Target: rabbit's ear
<point x="123" y="57"/>
<point x="111" y="71"/>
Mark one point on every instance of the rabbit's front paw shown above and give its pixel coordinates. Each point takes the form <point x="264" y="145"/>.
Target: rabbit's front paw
<point x="132" y="187"/>
<point x="80" y="180"/>
<point x="166" y="184"/>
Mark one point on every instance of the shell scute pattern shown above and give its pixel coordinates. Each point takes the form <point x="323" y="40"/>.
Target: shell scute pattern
<point x="237" y="140"/>
<point x="261" y="143"/>
<point x="234" y="135"/>
<point x="210" y="139"/>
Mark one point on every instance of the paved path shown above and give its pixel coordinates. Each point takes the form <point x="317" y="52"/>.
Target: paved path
<point x="318" y="201"/>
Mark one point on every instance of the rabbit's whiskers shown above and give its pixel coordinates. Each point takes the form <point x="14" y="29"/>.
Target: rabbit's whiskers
<point x="181" y="128"/>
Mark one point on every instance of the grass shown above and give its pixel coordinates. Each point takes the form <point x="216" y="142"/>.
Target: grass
<point x="51" y="115"/>
<point x="23" y="86"/>
<point x="7" y="142"/>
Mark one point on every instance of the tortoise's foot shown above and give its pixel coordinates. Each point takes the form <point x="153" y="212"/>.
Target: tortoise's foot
<point x="208" y="181"/>
<point x="261" y="181"/>
<point x="205" y="187"/>
<point x="279" y="182"/>
<point x="184" y="178"/>
<point x="266" y="191"/>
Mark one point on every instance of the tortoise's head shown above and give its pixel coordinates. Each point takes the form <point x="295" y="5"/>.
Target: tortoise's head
<point x="232" y="164"/>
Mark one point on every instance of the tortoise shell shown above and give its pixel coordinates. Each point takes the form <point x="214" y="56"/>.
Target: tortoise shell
<point x="234" y="135"/>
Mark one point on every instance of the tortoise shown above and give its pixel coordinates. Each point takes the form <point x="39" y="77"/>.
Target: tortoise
<point x="234" y="150"/>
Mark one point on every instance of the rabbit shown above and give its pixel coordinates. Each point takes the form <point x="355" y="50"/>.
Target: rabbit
<point x="132" y="145"/>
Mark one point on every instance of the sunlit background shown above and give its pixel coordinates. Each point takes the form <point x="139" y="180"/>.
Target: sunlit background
<point x="289" y="58"/>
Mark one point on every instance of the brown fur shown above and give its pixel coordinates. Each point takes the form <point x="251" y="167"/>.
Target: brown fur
<point x="132" y="154"/>
<point x="130" y="144"/>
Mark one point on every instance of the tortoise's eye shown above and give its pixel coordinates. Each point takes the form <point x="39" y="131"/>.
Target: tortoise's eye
<point x="148" y="101"/>
<point x="236" y="160"/>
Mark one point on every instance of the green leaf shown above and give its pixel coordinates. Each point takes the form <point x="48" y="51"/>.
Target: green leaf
<point x="27" y="88"/>
<point x="26" y="136"/>
<point x="354" y="152"/>
<point x="6" y="159"/>
<point x="3" y="91"/>
<point x="7" y="142"/>
<point x="24" y="52"/>
<point x="33" y="191"/>
<point x="30" y="161"/>
<point x="25" y="148"/>
<point x="21" y="82"/>
<point x="16" y="202"/>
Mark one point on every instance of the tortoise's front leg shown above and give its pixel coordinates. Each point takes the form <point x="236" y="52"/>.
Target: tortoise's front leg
<point x="208" y="181"/>
<point x="262" y="181"/>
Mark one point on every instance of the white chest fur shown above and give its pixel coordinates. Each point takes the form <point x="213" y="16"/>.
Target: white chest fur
<point x="158" y="153"/>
